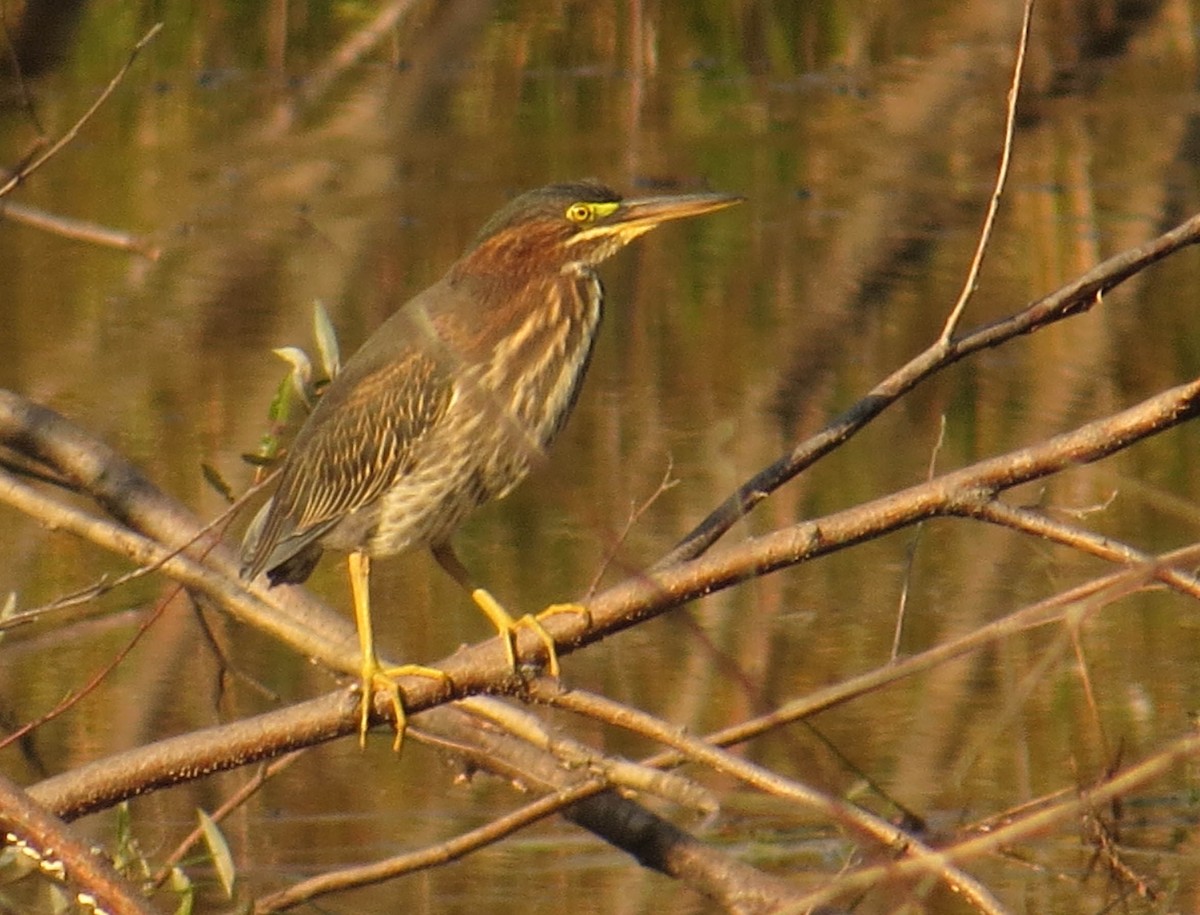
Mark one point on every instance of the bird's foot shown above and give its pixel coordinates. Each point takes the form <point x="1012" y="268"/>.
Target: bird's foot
<point x="376" y="677"/>
<point x="577" y="609"/>
<point x="507" y="627"/>
<point x="554" y="610"/>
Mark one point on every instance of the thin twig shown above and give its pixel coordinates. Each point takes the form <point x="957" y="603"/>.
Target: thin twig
<point x="910" y="552"/>
<point x="667" y="483"/>
<point x="264" y="774"/>
<point x="989" y="220"/>
<point x="79" y="229"/>
<point x="1039" y="525"/>
<point x="54" y="148"/>
<point x="225" y="665"/>
<point x="442" y="853"/>
<point x="1089" y="692"/>
<point x="99" y="676"/>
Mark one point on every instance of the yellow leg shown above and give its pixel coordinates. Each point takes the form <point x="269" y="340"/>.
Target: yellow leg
<point x="504" y="623"/>
<point x="374" y="675"/>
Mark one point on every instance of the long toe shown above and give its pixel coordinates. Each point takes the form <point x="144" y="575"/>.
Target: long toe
<point x="531" y="622"/>
<point x="576" y="609"/>
<point x="416" y="670"/>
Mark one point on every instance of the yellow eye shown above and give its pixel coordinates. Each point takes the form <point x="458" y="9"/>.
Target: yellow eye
<point x="580" y="212"/>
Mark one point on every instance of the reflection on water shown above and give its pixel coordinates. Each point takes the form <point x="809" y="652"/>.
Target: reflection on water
<point x="865" y="142"/>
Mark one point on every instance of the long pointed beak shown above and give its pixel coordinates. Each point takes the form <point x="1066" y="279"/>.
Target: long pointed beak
<point x="644" y="213"/>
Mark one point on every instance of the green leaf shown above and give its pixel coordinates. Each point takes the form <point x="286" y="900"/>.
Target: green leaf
<point x="327" y="341"/>
<point x="218" y="848"/>
<point x="182" y="887"/>
<point x="9" y="610"/>
<point x="267" y="455"/>
<point x="301" y="375"/>
<point x="214" y="479"/>
<point x="125" y="851"/>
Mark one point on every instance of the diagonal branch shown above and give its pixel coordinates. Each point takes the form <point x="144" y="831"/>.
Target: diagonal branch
<point x="1018" y="828"/>
<point x="768" y="782"/>
<point x="1074" y="298"/>
<point x="38" y="835"/>
<point x="54" y="148"/>
<point x="639" y="598"/>
<point x="483" y="668"/>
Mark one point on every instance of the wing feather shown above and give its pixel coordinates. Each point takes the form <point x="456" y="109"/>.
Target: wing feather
<point x="358" y="441"/>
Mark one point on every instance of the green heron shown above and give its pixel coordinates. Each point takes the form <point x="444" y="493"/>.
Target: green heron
<point x="449" y="403"/>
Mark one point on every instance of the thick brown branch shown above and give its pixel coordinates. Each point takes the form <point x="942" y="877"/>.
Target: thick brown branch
<point x="104" y="782"/>
<point x="48" y="841"/>
<point x="636" y="599"/>
<point x="1071" y="299"/>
